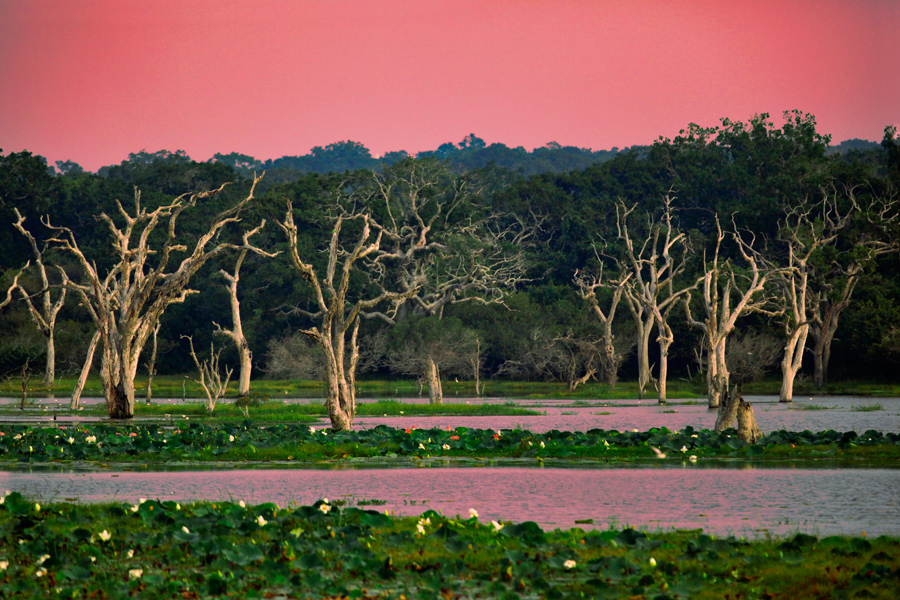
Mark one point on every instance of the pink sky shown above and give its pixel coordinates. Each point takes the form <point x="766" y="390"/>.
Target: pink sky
<point x="92" y="80"/>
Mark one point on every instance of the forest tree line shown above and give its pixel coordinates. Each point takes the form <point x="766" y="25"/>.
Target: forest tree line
<point x="629" y="267"/>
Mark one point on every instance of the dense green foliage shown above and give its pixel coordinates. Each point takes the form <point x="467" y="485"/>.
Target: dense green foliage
<point x="156" y="549"/>
<point x="751" y="171"/>
<point x="180" y="439"/>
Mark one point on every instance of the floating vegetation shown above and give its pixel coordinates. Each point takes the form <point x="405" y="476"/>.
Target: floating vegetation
<point x="867" y="408"/>
<point x="192" y="441"/>
<point x="156" y="549"/>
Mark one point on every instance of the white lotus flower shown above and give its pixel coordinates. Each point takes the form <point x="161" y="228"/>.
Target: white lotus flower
<point x="242" y="504"/>
<point x="185" y="529"/>
<point x="129" y="554"/>
<point x="261" y="521"/>
<point x="41" y="560"/>
<point x="446" y="446"/>
<point x="105" y="535"/>
<point x="4" y="564"/>
<point x="569" y="564"/>
<point x="324" y="508"/>
<point x="652" y="562"/>
<point x="473" y="513"/>
<point x="135" y="573"/>
<point x="230" y="438"/>
<point x="497" y="525"/>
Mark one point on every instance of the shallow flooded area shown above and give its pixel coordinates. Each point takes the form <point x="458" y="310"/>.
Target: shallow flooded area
<point x="839" y="413"/>
<point x="753" y="501"/>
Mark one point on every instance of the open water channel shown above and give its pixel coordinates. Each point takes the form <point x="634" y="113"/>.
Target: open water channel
<point x="741" y="498"/>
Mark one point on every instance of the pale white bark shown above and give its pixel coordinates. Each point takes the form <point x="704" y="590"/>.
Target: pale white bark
<point x="127" y="302"/>
<point x="448" y="261"/>
<point x="75" y="402"/>
<point x="610" y="357"/>
<point x="45" y="317"/>
<point x="336" y="314"/>
<point x="236" y="333"/>
<point x="652" y="288"/>
<point x="210" y="381"/>
<point x="151" y="364"/>
<point x="718" y="284"/>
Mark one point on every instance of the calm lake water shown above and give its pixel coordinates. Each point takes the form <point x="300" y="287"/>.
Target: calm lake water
<point x="840" y="413"/>
<point x="747" y="500"/>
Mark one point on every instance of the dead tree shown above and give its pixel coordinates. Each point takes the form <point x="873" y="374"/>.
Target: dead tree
<point x="610" y="357"/>
<point x="865" y="239"/>
<point x="654" y="269"/>
<point x="437" y="238"/>
<point x="727" y="294"/>
<point x="151" y="363"/>
<point x="806" y="230"/>
<point x="127" y="302"/>
<point x="210" y="378"/>
<point x="10" y="291"/>
<point x="236" y="333"/>
<point x="337" y="315"/>
<point x="44" y="317"/>
<point x="75" y="401"/>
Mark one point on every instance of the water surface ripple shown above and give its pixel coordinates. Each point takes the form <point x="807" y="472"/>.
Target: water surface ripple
<point x="750" y="501"/>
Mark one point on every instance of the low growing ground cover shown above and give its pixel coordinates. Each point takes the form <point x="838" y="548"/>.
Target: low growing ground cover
<point x="166" y="550"/>
<point x="192" y="441"/>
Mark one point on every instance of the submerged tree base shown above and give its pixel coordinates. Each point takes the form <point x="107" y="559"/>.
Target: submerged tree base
<point x="164" y="550"/>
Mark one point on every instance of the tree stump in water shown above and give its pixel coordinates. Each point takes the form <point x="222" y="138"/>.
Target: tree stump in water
<point x="748" y="430"/>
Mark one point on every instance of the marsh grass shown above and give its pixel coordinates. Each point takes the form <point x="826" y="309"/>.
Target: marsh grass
<point x="867" y="408"/>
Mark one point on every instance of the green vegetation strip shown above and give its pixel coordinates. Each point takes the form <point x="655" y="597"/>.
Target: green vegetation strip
<point x="192" y="441"/>
<point x="156" y="550"/>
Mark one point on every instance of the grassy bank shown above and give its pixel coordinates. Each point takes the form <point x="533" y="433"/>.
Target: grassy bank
<point x="156" y="550"/>
<point x="181" y="387"/>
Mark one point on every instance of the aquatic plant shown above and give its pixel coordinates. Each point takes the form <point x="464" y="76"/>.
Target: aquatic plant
<point x="166" y="550"/>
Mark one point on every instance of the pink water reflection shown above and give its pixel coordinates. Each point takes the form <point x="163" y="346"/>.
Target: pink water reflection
<point x="751" y="501"/>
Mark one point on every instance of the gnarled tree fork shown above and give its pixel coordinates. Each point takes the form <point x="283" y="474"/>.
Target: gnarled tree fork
<point x="588" y="287"/>
<point x="728" y="294"/>
<point x="45" y="315"/>
<point x="440" y="239"/>
<point x="337" y="315"/>
<point x="127" y="301"/>
<point x="806" y="230"/>
<point x="236" y="333"/>
<point x="870" y="233"/>
<point x="654" y="287"/>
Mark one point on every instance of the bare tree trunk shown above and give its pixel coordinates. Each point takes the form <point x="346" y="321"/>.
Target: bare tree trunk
<point x="748" y="430"/>
<point x="236" y="333"/>
<point x="644" y="327"/>
<point x="50" y="368"/>
<point x="663" y="369"/>
<point x="728" y="410"/>
<point x="476" y="368"/>
<point x="85" y="371"/>
<point x="792" y="361"/>
<point x="822" y="335"/>
<point x="45" y="318"/>
<point x="151" y="365"/>
<point x="433" y="376"/>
